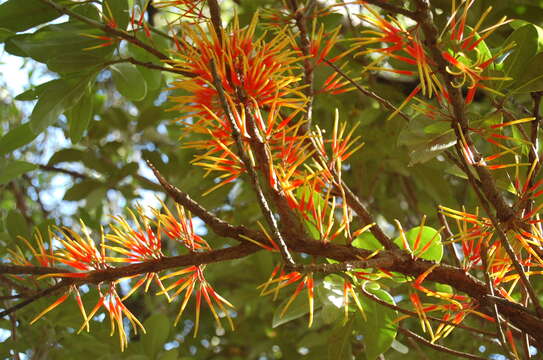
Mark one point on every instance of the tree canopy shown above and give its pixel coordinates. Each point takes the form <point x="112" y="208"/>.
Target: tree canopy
<point x="296" y="179"/>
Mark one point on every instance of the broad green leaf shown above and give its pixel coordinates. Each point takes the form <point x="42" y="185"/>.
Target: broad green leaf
<point x="16" y="138"/>
<point x="87" y="10"/>
<point x="58" y="95"/>
<point x="425" y="139"/>
<point x="4" y="34"/>
<point x="129" y="81"/>
<point x="17" y="15"/>
<point x="367" y="241"/>
<point x="158" y="328"/>
<point x="298" y="308"/>
<point x="427" y="238"/>
<point x="12" y="169"/>
<point x="531" y="79"/>
<point x="81" y="190"/>
<point x="153" y="78"/>
<point x="339" y="342"/>
<point x="80" y="116"/>
<point x="526" y="39"/>
<point x="65" y="47"/>
<point x="117" y="10"/>
<point x="17" y="225"/>
<point x="379" y="329"/>
<point x="66" y="155"/>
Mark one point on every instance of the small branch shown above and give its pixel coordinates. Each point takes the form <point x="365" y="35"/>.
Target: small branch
<point x="355" y="203"/>
<point x="72" y="173"/>
<point x="109" y="30"/>
<point x="300" y="17"/>
<point x="490" y="286"/>
<point x="149" y="65"/>
<point x="366" y="92"/>
<point x="508" y="249"/>
<point x="460" y="124"/>
<point x="215" y="13"/>
<point x="263" y="203"/>
<point x="414" y="314"/>
<point x="151" y="266"/>
<point x="219" y="226"/>
<point x="437" y="347"/>
<point x="449" y="235"/>
<point x="385" y="5"/>
<point x="43" y="293"/>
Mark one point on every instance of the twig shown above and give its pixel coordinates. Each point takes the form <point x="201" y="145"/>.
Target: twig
<point x="149" y="65"/>
<point x="263" y="203"/>
<point x="109" y="30"/>
<point x="219" y="226"/>
<point x="43" y="293"/>
<point x="438" y="347"/>
<point x="414" y="314"/>
<point x="385" y="5"/>
<point x="460" y="124"/>
<point x="151" y="266"/>
<point x="72" y="173"/>
<point x="449" y="235"/>
<point x="494" y="307"/>
<point x="366" y="92"/>
<point x="355" y="203"/>
<point x="300" y="17"/>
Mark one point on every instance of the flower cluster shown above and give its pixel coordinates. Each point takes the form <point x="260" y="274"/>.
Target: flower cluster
<point x="137" y="239"/>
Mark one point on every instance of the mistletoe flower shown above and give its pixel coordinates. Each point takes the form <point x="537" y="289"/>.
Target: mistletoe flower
<point x="249" y="69"/>
<point x="192" y="279"/>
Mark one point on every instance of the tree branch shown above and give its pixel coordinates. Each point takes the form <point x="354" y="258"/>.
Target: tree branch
<point x="219" y="226"/>
<point x="366" y="92"/>
<point x="438" y="347"/>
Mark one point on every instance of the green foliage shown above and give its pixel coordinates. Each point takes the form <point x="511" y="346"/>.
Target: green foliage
<point x="94" y="115"/>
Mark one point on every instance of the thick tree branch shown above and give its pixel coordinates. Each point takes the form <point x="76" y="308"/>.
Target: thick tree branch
<point x="151" y="266"/>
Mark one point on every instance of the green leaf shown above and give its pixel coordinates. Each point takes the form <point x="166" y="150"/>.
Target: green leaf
<point x="81" y="190"/>
<point x="17" y="15"/>
<point x="12" y="169"/>
<point x="66" y="155"/>
<point x="531" y="79"/>
<point x="17" y="225"/>
<point x="80" y="116"/>
<point x="65" y="47"/>
<point x="58" y="95"/>
<point x="368" y="241"/>
<point x="379" y="329"/>
<point x="129" y="81"/>
<point x="16" y="138"/>
<point x="118" y="11"/>
<point x="339" y="342"/>
<point x="170" y="355"/>
<point x="298" y="308"/>
<point x="4" y="34"/>
<point x="425" y="235"/>
<point x="158" y="329"/>
<point x="527" y="43"/>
